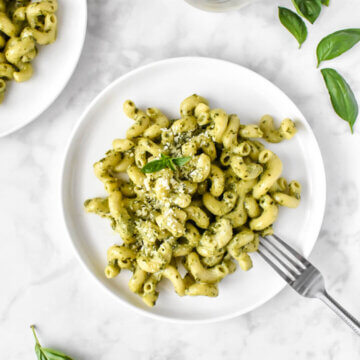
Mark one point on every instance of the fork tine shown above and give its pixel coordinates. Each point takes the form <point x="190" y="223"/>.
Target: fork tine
<point x="299" y="267"/>
<point x="280" y="261"/>
<point x="276" y="268"/>
<point x="298" y="256"/>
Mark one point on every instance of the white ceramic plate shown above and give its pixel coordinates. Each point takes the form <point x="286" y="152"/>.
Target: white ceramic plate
<point x="53" y="67"/>
<point x="164" y="84"/>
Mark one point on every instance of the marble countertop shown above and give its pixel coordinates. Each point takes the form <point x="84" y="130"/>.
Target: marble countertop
<point x="41" y="280"/>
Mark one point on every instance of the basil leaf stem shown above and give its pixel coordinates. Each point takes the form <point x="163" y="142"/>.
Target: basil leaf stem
<point x="341" y="95"/>
<point x="171" y="165"/>
<point x="336" y="44"/>
<point x="294" y="24"/>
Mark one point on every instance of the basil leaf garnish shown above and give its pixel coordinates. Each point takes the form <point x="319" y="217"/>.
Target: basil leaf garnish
<point x="309" y="9"/>
<point x="336" y="44"/>
<point x="325" y="2"/>
<point x="171" y="165"/>
<point x="52" y="354"/>
<point x="154" y="166"/>
<point x="341" y="95"/>
<point x="164" y="162"/>
<point x="294" y="24"/>
<point x="46" y="353"/>
<point x="181" y="161"/>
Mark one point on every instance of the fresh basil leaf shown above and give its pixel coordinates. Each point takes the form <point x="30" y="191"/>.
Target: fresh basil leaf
<point x="294" y="24"/>
<point x="154" y="166"/>
<point x="164" y="162"/>
<point x="46" y="353"/>
<point x="171" y="165"/>
<point x="325" y="2"/>
<point x="336" y="44"/>
<point x="309" y="9"/>
<point x="341" y="95"/>
<point x="181" y="161"/>
<point x="39" y="353"/>
<point x="52" y="354"/>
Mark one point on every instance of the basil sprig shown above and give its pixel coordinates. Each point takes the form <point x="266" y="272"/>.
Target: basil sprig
<point x="336" y="44"/>
<point x="46" y="353"/>
<point x="164" y="162"/>
<point x="309" y="9"/>
<point x="341" y="95"/>
<point x="294" y="24"/>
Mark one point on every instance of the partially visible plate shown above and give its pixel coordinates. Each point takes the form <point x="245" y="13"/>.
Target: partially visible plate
<point x="53" y="67"/>
<point x="164" y="85"/>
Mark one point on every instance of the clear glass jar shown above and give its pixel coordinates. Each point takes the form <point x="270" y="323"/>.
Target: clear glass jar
<point x="218" y="5"/>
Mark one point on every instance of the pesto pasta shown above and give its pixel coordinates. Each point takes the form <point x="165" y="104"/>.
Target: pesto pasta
<point x="199" y="193"/>
<point x="23" y="25"/>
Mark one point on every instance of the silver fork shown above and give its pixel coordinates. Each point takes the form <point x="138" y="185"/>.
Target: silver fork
<point x="301" y="275"/>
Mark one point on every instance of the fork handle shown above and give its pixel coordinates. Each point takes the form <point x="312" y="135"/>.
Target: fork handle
<point x="340" y="311"/>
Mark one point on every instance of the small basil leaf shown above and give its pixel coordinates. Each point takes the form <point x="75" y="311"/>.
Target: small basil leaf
<point x="46" y="353"/>
<point x="52" y="354"/>
<point x="309" y="9"/>
<point x="154" y="166"/>
<point x="294" y="24"/>
<point x="325" y="2"/>
<point x="336" y="44"/>
<point x="341" y="95"/>
<point x="39" y="353"/>
<point x="181" y="161"/>
<point x="171" y="165"/>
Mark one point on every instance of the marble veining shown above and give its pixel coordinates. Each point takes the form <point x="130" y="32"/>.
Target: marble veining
<point x="41" y="280"/>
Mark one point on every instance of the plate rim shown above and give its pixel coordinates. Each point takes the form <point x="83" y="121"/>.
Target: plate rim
<point x="61" y="88"/>
<point x="63" y="170"/>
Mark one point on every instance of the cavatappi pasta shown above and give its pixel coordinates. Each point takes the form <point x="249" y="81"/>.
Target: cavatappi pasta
<point x="200" y="218"/>
<point x="23" y="25"/>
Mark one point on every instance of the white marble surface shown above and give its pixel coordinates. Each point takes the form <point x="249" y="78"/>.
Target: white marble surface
<point x="41" y="280"/>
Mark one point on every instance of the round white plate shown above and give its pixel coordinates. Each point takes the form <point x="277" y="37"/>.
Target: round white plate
<point x="164" y="85"/>
<point x="53" y="67"/>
